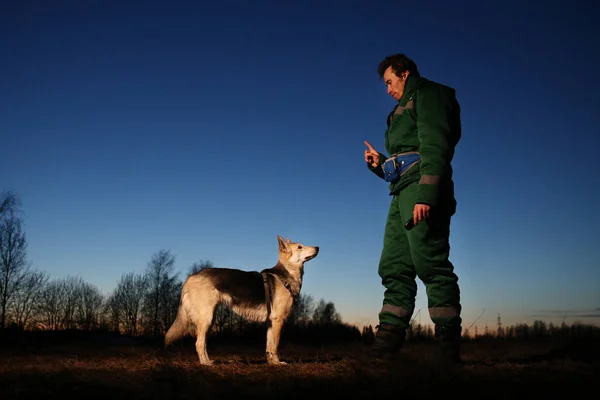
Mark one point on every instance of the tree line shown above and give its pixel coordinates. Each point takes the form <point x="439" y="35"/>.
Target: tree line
<point x="141" y="304"/>
<point x="538" y="330"/>
<point x="146" y="303"/>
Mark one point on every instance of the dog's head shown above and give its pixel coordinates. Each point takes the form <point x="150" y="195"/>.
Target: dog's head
<point x="295" y="253"/>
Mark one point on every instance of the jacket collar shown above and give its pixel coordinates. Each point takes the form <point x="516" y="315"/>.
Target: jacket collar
<point x="409" y="89"/>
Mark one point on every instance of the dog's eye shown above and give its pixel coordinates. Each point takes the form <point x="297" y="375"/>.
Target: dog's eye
<point x="299" y="247"/>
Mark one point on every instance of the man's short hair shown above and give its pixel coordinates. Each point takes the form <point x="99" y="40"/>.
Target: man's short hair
<point x="399" y="63"/>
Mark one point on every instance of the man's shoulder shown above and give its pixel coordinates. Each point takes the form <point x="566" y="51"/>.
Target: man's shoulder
<point x="427" y="85"/>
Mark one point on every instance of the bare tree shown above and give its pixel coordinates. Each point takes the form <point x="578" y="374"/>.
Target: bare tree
<point x="325" y="313"/>
<point x="88" y="306"/>
<point x="13" y="252"/>
<point x="65" y="300"/>
<point x="51" y="308"/>
<point x="72" y="288"/>
<point x="28" y="297"/>
<point x="303" y="309"/>
<point x="331" y="316"/>
<point x="8" y="203"/>
<point x="367" y="334"/>
<point x="170" y="294"/>
<point x="127" y="300"/>
<point x="199" y="266"/>
<point x="114" y="315"/>
<point x="500" y="331"/>
<point x="160" y="277"/>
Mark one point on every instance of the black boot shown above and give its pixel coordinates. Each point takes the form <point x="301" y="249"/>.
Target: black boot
<point x="448" y="339"/>
<point x="388" y="341"/>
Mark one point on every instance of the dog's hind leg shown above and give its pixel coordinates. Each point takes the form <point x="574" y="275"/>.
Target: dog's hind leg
<point x="273" y="336"/>
<point x="202" y="319"/>
<point x="201" y="331"/>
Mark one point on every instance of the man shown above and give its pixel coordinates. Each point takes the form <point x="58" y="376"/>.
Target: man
<point x="422" y="132"/>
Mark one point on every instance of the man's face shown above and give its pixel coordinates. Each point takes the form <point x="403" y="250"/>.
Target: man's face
<point x="395" y="84"/>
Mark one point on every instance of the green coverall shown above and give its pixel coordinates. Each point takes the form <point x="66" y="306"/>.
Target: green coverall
<point x="426" y="119"/>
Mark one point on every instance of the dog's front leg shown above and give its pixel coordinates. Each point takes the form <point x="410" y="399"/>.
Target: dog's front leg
<point x="273" y="335"/>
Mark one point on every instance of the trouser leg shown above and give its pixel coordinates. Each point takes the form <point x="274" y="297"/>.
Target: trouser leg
<point x="398" y="277"/>
<point x="430" y="250"/>
<point x="396" y="270"/>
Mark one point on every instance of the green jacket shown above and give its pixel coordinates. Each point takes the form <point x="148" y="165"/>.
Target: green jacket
<point x="426" y="119"/>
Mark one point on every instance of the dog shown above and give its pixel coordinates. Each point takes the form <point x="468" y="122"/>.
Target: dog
<point x="265" y="296"/>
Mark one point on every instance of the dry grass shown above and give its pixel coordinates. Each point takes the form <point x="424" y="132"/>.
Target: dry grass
<point x="99" y="370"/>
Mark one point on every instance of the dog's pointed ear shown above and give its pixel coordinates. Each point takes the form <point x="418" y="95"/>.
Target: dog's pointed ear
<point x="282" y="244"/>
<point x="287" y="239"/>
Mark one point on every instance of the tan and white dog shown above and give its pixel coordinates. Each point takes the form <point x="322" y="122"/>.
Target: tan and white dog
<point x="266" y="296"/>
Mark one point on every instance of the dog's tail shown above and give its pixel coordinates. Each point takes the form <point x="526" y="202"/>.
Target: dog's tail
<point x="179" y="328"/>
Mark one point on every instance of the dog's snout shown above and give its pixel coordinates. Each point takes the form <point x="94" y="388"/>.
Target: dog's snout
<point x="317" y="249"/>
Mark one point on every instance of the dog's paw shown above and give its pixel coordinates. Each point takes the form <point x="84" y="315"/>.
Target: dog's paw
<point x="277" y="362"/>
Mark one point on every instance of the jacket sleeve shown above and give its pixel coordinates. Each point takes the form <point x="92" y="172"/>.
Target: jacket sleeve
<point x="435" y="108"/>
<point x="378" y="170"/>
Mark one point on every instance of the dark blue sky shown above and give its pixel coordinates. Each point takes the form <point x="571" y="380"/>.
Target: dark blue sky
<point x="129" y="127"/>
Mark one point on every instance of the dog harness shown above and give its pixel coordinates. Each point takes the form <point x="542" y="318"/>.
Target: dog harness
<point x="267" y="293"/>
<point x="268" y="289"/>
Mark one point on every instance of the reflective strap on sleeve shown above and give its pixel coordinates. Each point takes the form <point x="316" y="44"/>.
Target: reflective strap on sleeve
<point x="429" y="180"/>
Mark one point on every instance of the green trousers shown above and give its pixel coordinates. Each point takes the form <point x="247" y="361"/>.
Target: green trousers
<point x="423" y="252"/>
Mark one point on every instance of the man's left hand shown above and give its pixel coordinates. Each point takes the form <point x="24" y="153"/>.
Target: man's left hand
<point x="421" y="212"/>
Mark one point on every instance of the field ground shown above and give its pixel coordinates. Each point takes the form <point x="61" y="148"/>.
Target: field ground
<point x="100" y="367"/>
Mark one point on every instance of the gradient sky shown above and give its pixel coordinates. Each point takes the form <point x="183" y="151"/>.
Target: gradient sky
<point x="208" y="128"/>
